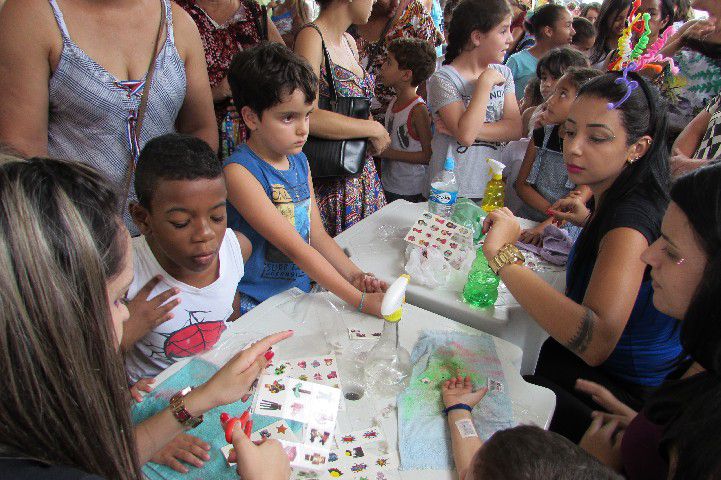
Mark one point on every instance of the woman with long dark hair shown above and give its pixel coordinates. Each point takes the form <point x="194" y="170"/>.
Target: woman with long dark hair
<point x="609" y="27"/>
<point x="677" y="430"/>
<point x="65" y="406"/>
<point x="605" y="328"/>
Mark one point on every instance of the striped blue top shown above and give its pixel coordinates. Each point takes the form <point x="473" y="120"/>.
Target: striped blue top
<point x="92" y="114"/>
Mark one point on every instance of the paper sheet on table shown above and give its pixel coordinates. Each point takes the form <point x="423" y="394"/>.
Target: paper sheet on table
<point x="423" y="437"/>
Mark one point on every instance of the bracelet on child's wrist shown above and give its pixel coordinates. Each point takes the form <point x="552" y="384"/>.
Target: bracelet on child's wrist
<point x="360" y="305"/>
<point x="458" y="406"/>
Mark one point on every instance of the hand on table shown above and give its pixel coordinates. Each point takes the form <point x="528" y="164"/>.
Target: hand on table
<point x="570" y="209"/>
<point x="533" y="236"/>
<point x="460" y="390"/>
<point x="264" y="461"/>
<point x="372" y="304"/>
<point x="146" y="314"/>
<point x="183" y="448"/>
<point x="603" y="441"/>
<point x="501" y="227"/>
<point x="142" y="385"/>
<point x="367" y="282"/>
<point x="607" y="400"/>
<point x="234" y="380"/>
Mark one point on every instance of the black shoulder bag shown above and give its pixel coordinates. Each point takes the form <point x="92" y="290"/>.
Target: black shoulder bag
<point x="337" y="158"/>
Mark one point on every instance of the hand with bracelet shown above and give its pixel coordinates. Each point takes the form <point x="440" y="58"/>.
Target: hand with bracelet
<point x="459" y="399"/>
<point x="160" y="434"/>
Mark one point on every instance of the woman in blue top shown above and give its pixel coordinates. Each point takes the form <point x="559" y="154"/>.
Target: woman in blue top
<point x="605" y="328"/>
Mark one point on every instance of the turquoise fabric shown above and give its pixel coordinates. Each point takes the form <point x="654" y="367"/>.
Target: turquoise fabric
<point x="523" y="67"/>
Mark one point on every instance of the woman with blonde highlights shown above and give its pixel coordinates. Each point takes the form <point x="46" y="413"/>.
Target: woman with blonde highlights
<point x="64" y="406"/>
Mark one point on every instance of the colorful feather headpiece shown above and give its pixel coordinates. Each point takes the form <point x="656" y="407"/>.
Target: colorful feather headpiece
<point x="634" y="58"/>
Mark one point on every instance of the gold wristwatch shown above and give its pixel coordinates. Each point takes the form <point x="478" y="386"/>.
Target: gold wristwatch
<point x="507" y="255"/>
<point x="183" y="416"/>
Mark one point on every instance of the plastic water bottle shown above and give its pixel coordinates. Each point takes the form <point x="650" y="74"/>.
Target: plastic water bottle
<point x="494" y="195"/>
<point x="444" y="190"/>
<point x="481" y="289"/>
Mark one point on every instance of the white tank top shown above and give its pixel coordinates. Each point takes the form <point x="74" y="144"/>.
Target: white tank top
<point x="199" y="318"/>
<point x="403" y="178"/>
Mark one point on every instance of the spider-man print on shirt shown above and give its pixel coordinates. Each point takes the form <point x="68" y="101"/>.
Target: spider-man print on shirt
<point x="196" y="336"/>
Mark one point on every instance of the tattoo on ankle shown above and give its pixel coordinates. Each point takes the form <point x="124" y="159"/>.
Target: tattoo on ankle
<point x="579" y="343"/>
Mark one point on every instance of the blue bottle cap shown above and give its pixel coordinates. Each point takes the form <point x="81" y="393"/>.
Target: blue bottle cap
<point x="450" y="164"/>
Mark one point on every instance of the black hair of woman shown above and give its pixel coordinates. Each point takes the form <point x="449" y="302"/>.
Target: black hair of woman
<point x="643" y="113"/>
<point x="610" y="9"/>
<point x="590" y="6"/>
<point x="545" y="16"/>
<point x="690" y="408"/>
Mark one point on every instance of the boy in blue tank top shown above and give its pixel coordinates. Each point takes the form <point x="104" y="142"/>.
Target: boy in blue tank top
<point x="270" y="192"/>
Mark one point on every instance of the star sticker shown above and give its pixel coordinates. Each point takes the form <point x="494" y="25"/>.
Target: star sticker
<point x="281" y="429"/>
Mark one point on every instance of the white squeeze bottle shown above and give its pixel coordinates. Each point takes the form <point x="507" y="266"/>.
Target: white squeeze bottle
<point x="444" y="190"/>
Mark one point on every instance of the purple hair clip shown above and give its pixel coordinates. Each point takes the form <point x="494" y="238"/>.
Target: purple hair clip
<point x="631" y="85"/>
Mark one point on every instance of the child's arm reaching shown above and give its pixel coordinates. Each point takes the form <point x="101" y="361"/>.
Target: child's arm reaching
<point x="421" y="123"/>
<point x="248" y="197"/>
<point x="468" y="124"/>
<point x="464" y="439"/>
<point x="331" y="251"/>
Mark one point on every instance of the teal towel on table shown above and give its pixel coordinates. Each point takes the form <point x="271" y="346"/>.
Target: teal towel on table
<point x="423" y="437"/>
<point x="197" y="372"/>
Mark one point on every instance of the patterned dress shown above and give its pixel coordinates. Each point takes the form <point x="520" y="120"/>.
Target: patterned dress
<point x="694" y="88"/>
<point x="343" y="202"/>
<point x="414" y="22"/>
<point x="244" y="29"/>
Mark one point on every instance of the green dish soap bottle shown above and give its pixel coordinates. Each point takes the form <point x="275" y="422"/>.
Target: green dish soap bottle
<point x="481" y="289"/>
<point x="494" y="195"/>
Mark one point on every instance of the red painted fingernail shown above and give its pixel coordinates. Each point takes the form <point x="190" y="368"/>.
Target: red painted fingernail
<point x="224" y="417"/>
<point x="249" y="428"/>
<point x="269" y="355"/>
<point x="245" y="416"/>
<point x="244" y="398"/>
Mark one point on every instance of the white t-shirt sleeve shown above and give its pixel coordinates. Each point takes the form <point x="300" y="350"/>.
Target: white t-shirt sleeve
<point x="442" y="91"/>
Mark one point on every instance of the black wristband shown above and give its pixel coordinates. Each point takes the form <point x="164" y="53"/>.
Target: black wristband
<point x="458" y="406"/>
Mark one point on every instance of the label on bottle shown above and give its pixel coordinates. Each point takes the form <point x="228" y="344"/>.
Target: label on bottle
<point x="443" y="197"/>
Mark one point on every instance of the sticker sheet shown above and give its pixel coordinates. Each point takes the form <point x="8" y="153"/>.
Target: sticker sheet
<point x="322" y="370"/>
<point x="311" y="404"/>
<point x="434" y="231"/>
<point x="358" y="456"/>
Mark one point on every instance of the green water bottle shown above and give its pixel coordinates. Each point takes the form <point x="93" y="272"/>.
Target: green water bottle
<point x="481" y="289"/>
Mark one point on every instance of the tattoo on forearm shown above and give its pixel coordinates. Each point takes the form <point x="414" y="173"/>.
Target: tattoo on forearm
<point x="579" y="342"/>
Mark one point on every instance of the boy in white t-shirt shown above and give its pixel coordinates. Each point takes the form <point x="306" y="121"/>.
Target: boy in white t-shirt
<point x="409" y="63"/>
<point x="181" y="214"/>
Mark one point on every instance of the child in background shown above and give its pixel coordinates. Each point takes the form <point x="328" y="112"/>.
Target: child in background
<point x="185" y="241"/>
<point x="520" y="453"/>
<point x="409" y="62"/>
<point x="590" y="12"/>
<point x="585" y="35"/>
<point x="270" y="192"/>
<point x="552" y="27"/>
<point x="471" y="97"/>
<point x="543" y="178"/>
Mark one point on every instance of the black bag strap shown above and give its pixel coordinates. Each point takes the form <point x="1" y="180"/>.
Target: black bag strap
<point x="329" y="77"/>
<point x="261" y="23"/>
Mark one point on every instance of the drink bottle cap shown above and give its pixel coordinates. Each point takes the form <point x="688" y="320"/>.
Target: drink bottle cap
<point x="450" y="164"/>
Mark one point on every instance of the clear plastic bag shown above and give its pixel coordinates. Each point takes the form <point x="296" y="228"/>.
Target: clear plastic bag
<point x="427" y="266"/>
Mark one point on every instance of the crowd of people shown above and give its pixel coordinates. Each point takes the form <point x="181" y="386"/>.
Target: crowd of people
<point x="156" y="162"/>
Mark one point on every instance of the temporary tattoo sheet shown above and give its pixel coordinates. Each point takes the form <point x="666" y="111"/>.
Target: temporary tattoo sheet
<point x="359" y="456"/>
<point x="433" y="231"/>
<point x="311" y="404"/>
<point x="322" y="370"/>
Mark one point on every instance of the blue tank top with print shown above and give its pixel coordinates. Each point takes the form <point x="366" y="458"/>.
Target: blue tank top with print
<point x="269" y="271"/>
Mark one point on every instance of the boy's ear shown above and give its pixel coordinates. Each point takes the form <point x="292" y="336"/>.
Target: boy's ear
<point x="407" y="75"/>
<point x="250" y="118"/>
<point x="141" y="217"/>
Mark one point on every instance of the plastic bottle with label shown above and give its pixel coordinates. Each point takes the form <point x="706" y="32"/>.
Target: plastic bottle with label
<point x="495" y="188"/>
<point x="444" y="190"/>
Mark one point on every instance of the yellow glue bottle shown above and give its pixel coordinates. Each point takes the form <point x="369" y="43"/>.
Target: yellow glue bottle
<point x="494" y="195"/>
